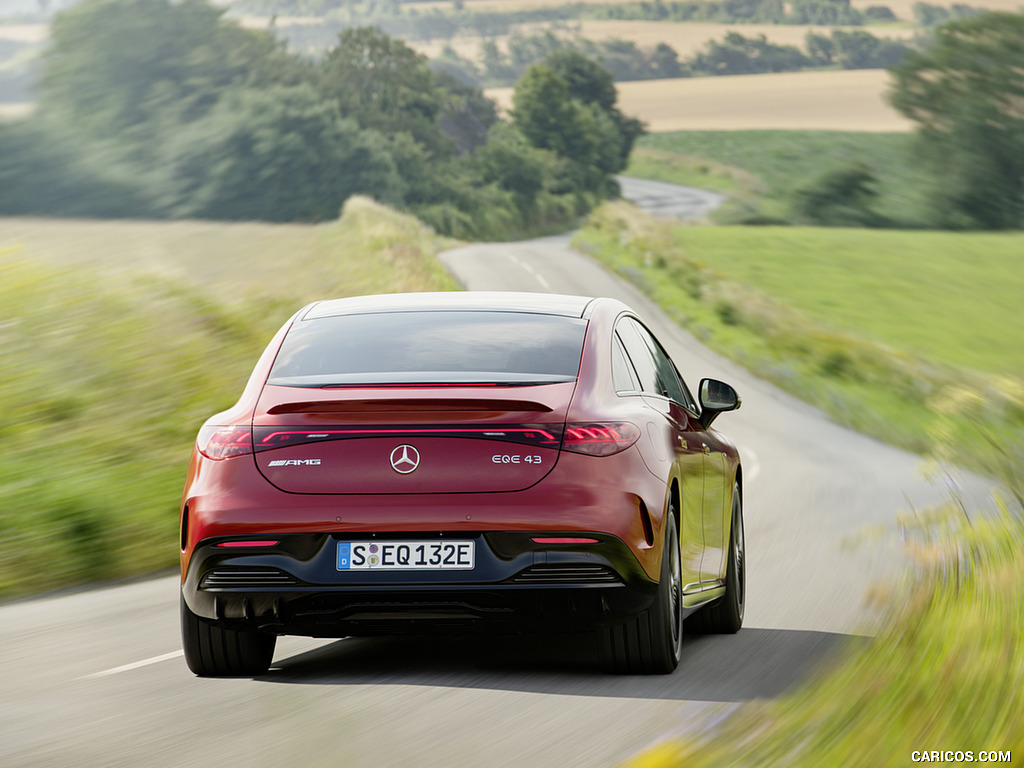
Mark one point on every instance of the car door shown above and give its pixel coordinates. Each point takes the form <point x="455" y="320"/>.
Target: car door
<point x="716" y="513"/>
<point x="671" y="404"/>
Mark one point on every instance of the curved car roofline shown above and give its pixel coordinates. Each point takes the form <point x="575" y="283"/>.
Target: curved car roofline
<point x="454" y="301"/>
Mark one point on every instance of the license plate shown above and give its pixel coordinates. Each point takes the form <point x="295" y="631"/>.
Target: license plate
<point x="406" y="555"/>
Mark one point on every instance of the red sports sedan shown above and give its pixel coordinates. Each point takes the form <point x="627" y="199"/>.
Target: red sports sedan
<point x="458" y="461"/>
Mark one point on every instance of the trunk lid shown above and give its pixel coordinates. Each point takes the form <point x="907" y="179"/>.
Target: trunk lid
<point x="409" y="439"/>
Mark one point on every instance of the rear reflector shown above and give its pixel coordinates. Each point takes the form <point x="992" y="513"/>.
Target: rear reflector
<point x="600" y="439"/>
<point x="223" y="442"/>
<point x="247" y="543"/>
<point x="561" y="540"/>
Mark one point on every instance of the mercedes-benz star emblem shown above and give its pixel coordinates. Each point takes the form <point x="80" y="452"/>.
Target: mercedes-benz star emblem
<point x="405" y="459"/>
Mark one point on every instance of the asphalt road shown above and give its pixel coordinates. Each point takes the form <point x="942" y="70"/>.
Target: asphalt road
<point x="97" y="678"/>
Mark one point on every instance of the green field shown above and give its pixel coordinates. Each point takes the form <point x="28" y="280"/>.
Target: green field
<point x="121" y="338"/>
<point x="951" y="297"/>
<point x="877" y="327"/>
<point x="760" y="169"/>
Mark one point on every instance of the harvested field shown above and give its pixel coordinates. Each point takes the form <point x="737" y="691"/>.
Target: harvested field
<point x="828" y="101"/>
<point x="24" y="33"/>
<point x="10" y="112"/>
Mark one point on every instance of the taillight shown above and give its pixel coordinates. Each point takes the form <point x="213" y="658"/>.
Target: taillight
<point x="541" y="436"/>
<point x="601" y="439"/>
<point x="224" y="442"/>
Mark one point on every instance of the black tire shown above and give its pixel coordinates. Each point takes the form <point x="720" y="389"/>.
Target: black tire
<point x="725" y="616"/>
<point x="212" y="651"/>
<point x="651" y="643"/>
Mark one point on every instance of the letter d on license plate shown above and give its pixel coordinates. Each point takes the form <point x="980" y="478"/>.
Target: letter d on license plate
<point x="406" y="555"/>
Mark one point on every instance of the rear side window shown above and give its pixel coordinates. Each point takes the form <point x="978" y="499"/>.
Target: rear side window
<point x="657" y="372"/>
<point x="640" y="354"/>
<point x="431" y="347"/>
<point x="622" y="371"/>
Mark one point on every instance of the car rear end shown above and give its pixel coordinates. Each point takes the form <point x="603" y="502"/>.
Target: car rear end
<point x="416" y="463"/>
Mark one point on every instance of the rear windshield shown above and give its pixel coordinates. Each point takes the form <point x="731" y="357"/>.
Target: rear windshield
<point x="430" y="347"/>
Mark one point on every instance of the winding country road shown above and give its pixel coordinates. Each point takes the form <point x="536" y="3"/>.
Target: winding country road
<point x="97" y="678"/>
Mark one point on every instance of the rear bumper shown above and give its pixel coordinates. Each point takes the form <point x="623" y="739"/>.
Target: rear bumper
<point x="517" y="584"/>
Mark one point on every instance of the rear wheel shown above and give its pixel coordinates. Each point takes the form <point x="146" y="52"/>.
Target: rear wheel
<point x="726" y="615"/>
<point x="651" y="643"/>
<point x="212" y="651"/>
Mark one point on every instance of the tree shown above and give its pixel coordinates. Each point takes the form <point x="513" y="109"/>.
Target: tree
<point x="840" y="197"/>
<point x="466" y="114"/>
<point x="821" y="49"/>
<point x="739" y="55"/>
<point x="542" y="111"/>
<point x="591" y="84"/>
<point x="965" y="93"/>
<point x="511" y="162"/>
<point x="825" y="12"/>
<point x="586" y="80"/>
<point x="384" y="85"/>
<point x="665" y="61"/>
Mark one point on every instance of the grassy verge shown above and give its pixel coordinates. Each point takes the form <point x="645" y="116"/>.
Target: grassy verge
<point x="760" y="170"/>
<point x="871" y="326"/>
<point x="119" y="339"/>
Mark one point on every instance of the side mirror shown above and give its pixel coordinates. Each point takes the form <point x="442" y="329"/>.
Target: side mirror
<point x="716" y="397"/>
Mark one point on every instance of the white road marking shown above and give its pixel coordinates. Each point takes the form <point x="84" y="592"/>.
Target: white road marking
<point x="751" y="465"/>
<point x="540" y="278"/>
<point x="134" y="665"/>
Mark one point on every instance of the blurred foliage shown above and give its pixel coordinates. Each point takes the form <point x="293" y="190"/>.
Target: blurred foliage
<point x="110" y="368"/>
<point x="965" y="91"/>
<point x="276" y="154"/>
<point x="155" y="108"/>
<point x="946" y="671"/>
<point x="134" y="70"/>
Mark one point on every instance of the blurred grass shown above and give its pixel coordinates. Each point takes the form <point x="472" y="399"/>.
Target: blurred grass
<point x="120" y="338"/>
<point x="945" y="673"/>
<point x="870" y="325"/>
<point x="759" y="170"/>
